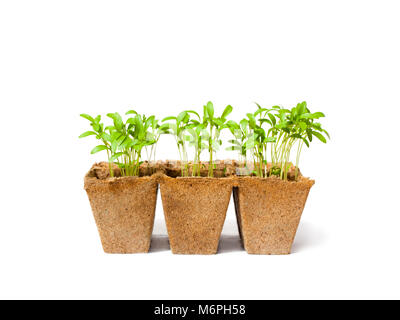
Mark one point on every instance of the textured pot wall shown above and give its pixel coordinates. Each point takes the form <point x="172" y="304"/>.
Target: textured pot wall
<point x="269" y="211"/>
<point x="195" y="211"/>
<point x="124" y="210"/>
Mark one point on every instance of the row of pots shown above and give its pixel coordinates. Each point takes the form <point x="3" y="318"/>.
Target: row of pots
<point x="268" y="211"/>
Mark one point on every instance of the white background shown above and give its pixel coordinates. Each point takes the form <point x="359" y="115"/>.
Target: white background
<point x="62" y="58"/>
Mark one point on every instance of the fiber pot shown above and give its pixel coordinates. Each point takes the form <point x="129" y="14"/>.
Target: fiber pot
<point x="268" y="212"/>
<point x="195" y="211"/>
<point x="124" y="209"/>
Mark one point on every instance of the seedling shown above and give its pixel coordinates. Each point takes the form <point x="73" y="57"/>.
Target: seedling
<point x="154" y="134"/>
<point x="123" y="141"/>
<point x="199" y="133"/>
<point x="100" y="134"/>
<point x="214" y="125"/>
<point x="197" y="137"/>
<point x="178" y="129"/>
<point x="288" y="128"/>
<point x="295" y="126"/>
<point x="259" y="139"/>
<point x="240" y="133"/>
<point x="250" y="136"/>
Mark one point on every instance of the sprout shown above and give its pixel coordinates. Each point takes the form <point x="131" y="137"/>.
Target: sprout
<point x="124" y="141"/>
<point x="275" y="132"/>
<point x="286" y="129"/>
<point x="215" y="125"/>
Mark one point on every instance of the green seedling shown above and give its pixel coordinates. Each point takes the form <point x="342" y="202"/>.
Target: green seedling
<point x="259" y="139"/>
<point x="197" y="137"/>
<point x="178" y="129"/>
<point x="214" y="126"/>
<point x="240" y="133"/>
<point x="123" y="141"/>
<point x="251" y="137"/>
<point x="100" y="134"/>
<point x="293" y="127"/>
<point x="286" y="129"/>
<point x="154" y="134"/>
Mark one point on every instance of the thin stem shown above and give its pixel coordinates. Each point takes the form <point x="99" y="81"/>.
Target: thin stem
<point x="265" y="159"/>
<point x="110" y="167"/>
<point x="210" y="149"/>
<point x="298" y="159"/>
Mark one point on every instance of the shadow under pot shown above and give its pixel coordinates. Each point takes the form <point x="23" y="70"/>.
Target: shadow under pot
<point x="269" y="211"/>
<point x="195" y="211"/>
<point x="124" y="210"/>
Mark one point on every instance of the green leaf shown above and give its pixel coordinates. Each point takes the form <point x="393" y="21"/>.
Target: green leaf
<point x="252" y="120"/>
<point x="272" y="118"/>
<point x="265" y="120"/>
<point x="233" y="124"/>
<point x="205" y="115"/>
<point x="87" y="133"/>
<point x="120" y="139"/>
<point x="118" y="123"/>
<point x="131" y="121"/>
<point x="319" y="136"/>
<point x="260" y="110"/>
<point x="97" y="119"/>
<point x="210" y="109"/>
<point x="219" y="122"/>
<point x="126" y="143"/>
<point x="243" y="124"/>
<point x="301" y="107"/>
<point x="227" y="111"/>
<point x="303" y="125"/>
<point x="86" y="116"/>
<point x="309" y="134"/>
<point x="131" y="112"/>
<point x="98" y="148"/>
<point x="96" y="127"/>
<point x="116" y="156"/>
<point x="106" y="137"/>
<point x="293" y="113"/>
<point x="181" y="116"/>
<point x="194" y="112"/>
<point x="114" y="145"/>
<point x="168" y="118"/>
<point x="315" y="115"/>
<point x="318" y="115"/>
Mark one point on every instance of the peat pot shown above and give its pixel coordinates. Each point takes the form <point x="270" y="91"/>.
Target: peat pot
<point x="268" y="212"/>
<point x="124" y="210"/>
<point x="195" y="210"/>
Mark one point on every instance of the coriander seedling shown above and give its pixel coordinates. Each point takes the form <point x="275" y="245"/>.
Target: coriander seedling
<point x="178" y="129"/>
<point x="214" y="125"/>
<point x="123" y="141"/>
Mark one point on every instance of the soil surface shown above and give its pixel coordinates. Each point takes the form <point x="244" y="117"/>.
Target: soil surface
<point x="173" y="169"/>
